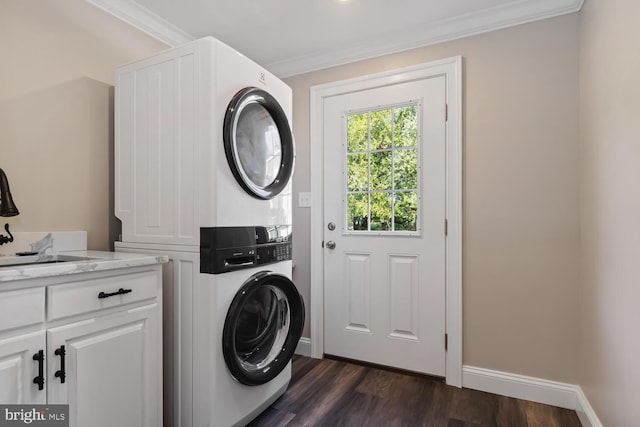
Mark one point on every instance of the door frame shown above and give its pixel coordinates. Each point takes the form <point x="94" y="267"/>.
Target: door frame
<point x="451" y="68"/>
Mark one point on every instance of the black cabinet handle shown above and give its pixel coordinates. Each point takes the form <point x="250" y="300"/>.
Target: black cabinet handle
<point x="110" y="294"/>
<point x="39" y="356"/>
<point x="61" y="373"/>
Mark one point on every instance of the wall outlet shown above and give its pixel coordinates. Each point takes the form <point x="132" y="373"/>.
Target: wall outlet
<point x="304" y="199"/>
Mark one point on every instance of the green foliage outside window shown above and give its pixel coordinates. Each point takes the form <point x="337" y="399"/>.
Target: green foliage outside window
<point x="382" y="170"/>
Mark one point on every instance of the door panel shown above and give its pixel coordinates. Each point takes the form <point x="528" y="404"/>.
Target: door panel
<point x="403" y="297"/>
<point x="358" y="280"/>
<point x="384" y="184"/>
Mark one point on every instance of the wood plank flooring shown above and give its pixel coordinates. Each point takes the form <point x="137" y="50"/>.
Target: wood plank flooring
<point x="336" y="393"/>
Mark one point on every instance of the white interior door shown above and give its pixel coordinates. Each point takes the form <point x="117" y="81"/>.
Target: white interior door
<point x="384" y="219"/>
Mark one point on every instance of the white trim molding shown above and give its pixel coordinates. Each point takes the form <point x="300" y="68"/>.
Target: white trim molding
<point x="490" y="19"/>
<point x="304" y="347"/>
<point x="554" y="393"/>
<point x="144" y="20"/>
<point x="494" y="18"/>
<point x="585" y="411"/>
<point x="452" y="69"/>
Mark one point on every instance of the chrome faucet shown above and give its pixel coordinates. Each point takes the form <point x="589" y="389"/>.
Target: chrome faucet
<point x="7" y="207"/>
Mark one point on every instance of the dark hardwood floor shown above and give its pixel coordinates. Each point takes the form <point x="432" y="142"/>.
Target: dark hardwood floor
<point x="336" y="393"/>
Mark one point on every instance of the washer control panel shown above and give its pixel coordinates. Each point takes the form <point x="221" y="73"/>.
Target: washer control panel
<point x="225" y="249"/>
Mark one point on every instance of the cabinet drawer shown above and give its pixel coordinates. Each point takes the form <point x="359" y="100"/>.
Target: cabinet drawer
<point x="21" y="308"/>
<point x="84" y="296"/>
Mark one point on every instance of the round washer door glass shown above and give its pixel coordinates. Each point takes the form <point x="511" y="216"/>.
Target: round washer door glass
<point x="258" y="143"/>
<point x="262" y="328"/>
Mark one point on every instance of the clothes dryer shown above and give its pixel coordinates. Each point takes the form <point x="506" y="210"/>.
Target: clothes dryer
<point x="203" y="138"/>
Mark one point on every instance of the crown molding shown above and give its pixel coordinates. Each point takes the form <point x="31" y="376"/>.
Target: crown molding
<point x="507" y="15"/>
<point x="144" y="20"/>
<point x="503" y="16"/>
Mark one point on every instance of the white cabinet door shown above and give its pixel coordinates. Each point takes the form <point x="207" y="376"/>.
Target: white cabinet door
<point x="106" y="369"/>
<point x="155" y="152"/>
<point x="18" y="369"/>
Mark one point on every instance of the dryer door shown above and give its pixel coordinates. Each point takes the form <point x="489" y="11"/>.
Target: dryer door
<point x="262" y="328"/>
<point x="258" y="143"/>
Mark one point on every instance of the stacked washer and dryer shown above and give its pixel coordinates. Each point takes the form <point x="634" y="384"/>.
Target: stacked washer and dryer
<point x="203" y="160"/>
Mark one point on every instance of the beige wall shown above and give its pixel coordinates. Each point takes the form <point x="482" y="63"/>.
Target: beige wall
<point x="521" y="233"/>
<point x="56" y="112"/>
<point x="610" y="206"/>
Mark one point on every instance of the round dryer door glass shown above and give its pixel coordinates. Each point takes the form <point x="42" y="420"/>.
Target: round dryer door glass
<point x="258" y="143"/>
<point x="262" y="328"/>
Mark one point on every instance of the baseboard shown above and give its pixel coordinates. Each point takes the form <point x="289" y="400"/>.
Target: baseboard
<point x="520" y="386"/>
<point x="585" y="411"/>
<point x="304" y="347"/>
<point x="554" y="393"/>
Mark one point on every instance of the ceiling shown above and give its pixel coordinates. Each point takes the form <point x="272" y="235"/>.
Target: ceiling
<point x="295" y="36"/>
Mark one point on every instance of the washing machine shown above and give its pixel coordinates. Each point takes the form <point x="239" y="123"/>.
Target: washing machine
<point x="253" y="315"/>
<point x="204" y="155"/>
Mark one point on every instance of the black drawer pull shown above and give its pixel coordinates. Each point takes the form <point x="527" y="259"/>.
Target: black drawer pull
<point x="110" y="294"/>
<point x="39" y="356"/>
<point x="61" y="373"/>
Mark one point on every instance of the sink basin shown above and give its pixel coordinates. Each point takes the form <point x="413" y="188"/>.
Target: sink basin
<point x="24" y="261"/>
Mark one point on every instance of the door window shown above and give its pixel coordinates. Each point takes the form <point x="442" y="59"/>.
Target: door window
<point x="382" y="167"/>
<point x="258" y="143"/>
<point x="262" y="328"/>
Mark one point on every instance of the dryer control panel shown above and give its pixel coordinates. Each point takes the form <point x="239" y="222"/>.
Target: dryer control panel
<point x="225" y="249"/>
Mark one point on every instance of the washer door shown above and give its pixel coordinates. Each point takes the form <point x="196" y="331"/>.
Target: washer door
<point x="262" y="328"/>
<point x="258" y="143"/>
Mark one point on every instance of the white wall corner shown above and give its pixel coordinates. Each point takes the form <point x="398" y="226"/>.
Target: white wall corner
<point x="304" y="347"/>
<point x="144" y="20"/>
<point x="569" y="396"/>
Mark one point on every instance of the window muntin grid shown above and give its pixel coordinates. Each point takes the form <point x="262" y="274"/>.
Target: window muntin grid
<point x="382" y="168"/>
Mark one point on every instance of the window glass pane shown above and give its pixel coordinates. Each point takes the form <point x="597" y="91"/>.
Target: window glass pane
<point x="405" y="211"/>
<point x="380" y="212"/>
<point x="381" y="170"/>
<point x="258" y="145"/>
<point x="358" y="212"/>
<point x="406" y="126"/>
<point x="381" y="129"/>
<point x="357" y="172"/>
<point x="357" y="132"/>
<point x="405" y="172"/>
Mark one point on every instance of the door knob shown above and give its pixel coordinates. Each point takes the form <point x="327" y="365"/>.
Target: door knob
<point x="331" y="244"/>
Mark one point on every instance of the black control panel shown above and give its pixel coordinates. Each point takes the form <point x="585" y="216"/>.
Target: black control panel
<point x="225" y="249"/>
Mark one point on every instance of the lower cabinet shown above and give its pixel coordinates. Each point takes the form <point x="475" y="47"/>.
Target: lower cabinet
<point x="99" y="350"/>
<point x="22" y="367"/>
<point x="105" y="369"/>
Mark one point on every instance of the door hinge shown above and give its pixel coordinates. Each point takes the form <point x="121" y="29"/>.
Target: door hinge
<point x="446" y="112"/>
<point x="446" y="342"/>
<point x="446" y="227"/>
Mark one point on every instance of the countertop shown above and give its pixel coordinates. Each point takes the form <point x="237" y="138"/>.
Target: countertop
<point x="95" y="261"/>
